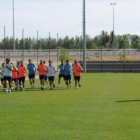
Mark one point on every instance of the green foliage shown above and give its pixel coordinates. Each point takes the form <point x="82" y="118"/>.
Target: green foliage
<point x="124" y="58"/>
<point x="63" y="55"/>
<point x="126" y="41"/>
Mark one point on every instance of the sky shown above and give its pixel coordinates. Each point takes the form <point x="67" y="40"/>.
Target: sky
<point x="65" y="17"/>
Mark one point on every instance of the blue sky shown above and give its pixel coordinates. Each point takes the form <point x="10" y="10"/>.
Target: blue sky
<point x="65" y="17"/>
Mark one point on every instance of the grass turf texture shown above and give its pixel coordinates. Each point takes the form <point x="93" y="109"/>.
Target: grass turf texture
<point x="106" y="107"/>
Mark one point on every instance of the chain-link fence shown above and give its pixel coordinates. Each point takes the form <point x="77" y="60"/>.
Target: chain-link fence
<point x="97" y="60"/>
<point x="121" y="60"/>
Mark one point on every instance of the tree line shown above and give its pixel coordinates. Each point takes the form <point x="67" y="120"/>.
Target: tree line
<point x="103" y="40"/>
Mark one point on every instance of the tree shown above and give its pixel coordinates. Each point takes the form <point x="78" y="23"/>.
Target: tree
<point x="64" y="55"/>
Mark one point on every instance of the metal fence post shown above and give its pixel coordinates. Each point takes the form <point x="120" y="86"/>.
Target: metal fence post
<point x="57" y="50"/>
<point x="23" y="46"/>
<point x="101" y="60"/>
<point x="49" y="44"/>
<point x="124" y="60"/>
<point x="37" y="48"/>
<point x="4" y="42"/>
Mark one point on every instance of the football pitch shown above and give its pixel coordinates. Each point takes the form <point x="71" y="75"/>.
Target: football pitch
<point x="106" y="107"/>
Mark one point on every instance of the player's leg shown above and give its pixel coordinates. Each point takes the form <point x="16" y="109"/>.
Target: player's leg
<point x="76" y="82"/>
<point x="50" y="82"/>
<point x="67" y="82"/>
<point x="10" y="84"/>
<point x="1" y="81"/>
<point x="0" y="84"/>
<point x="20" y="83"/>
<point x="5" y="85"/>
<point x="46" y="79"/>
<point x="53" y="78"/>
<point x="23" y="83"/>
<point x="17" y="83"/>
<point x="40" y="77"/>
<point x="33" y="81"/>
<point x="70" y="81"/>
<point x="43" y="82"/>
<point x="79" y="83"/>
<point x="59" y="79"/>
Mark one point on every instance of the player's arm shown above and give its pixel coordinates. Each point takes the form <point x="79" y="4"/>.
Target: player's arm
<point x="35" y="68"/>
<point x="16" y="69"/>
<point x="55" y="70"/>
<point x="1" y="72"/>
<point x="81" y="67"/>
<point x="26" y="70"/>
<point x="10" y="68"/>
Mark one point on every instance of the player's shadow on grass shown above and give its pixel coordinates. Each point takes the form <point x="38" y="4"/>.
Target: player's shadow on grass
<point x="47" y="89"/>
<point x="127" y="101"/>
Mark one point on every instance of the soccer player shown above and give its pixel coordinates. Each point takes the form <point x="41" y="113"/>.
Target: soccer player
<point x="14" y="76"/>
<point x="51" y="75"/>
<point x="22" y="74"/>
<point x="46" y="75"/>
<point x="42" y="72"/>
<point x="31" y="73"/>
<point x="77" y="73"/>
<point x="8" y="75"/>
<point x="67" y="73"/>
<point x="2" y="74"/>
<point x="61" y="72"/>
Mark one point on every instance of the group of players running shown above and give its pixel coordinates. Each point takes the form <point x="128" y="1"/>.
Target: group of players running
<point x="12" y="74"/>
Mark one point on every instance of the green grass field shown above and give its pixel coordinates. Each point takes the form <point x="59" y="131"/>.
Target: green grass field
<point x="106" y="107"/>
